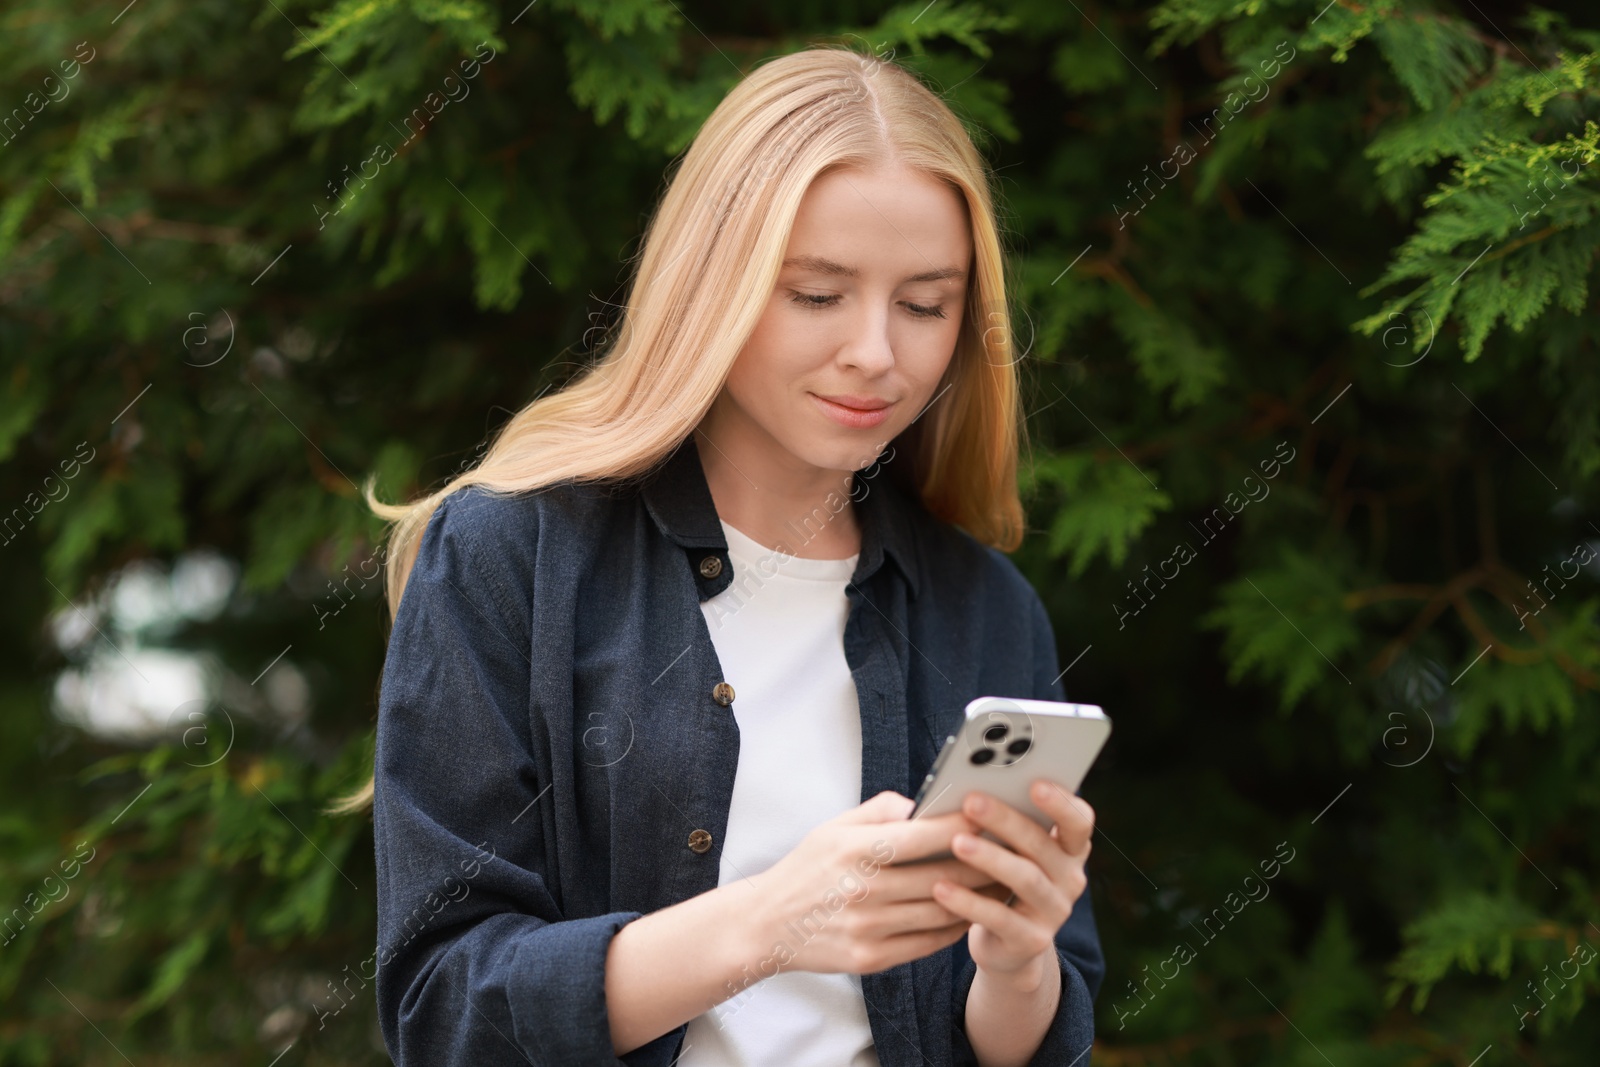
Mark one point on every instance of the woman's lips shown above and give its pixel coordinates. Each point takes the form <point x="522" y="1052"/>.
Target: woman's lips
<point x="855" y="418"/>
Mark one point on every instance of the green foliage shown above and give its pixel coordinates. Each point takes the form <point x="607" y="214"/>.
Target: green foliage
<point x="1286" y="623"/>
<point x="1473" y="931"/>
<point x="223" y="299"/>
<point x="1107" y="503"/>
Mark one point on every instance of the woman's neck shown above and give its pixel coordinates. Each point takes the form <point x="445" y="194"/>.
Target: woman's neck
<point x="798" y="509"/>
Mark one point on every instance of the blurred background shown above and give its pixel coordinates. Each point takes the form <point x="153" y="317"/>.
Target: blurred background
<point x="1305" y="294"/>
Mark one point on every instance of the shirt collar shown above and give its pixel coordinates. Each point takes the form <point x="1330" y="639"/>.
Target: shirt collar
<point x="679" y="500"/>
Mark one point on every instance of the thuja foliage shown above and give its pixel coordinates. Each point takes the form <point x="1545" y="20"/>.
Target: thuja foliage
<point x="1304" y="296"/>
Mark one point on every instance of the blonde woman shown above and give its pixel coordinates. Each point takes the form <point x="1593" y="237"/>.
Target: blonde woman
<point x="668" y="664"/>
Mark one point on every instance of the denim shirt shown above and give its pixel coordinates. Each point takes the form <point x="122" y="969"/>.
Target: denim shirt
<point x="556" y="750"/>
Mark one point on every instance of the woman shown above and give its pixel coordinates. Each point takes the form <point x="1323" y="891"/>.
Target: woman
<point x="671" y="660"/>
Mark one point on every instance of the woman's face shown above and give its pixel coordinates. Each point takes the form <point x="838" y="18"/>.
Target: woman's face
<point x="867" y="308"/>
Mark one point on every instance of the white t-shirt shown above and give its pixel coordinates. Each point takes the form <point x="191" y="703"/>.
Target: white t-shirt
<point x="778" y="630"/>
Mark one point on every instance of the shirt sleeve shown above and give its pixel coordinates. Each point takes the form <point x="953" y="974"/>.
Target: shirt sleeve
<point x="477" y="964"/>
<point x="1071" y="1033"/>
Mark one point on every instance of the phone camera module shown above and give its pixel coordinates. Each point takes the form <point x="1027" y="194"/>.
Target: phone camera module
<point x="1003" y="740"/>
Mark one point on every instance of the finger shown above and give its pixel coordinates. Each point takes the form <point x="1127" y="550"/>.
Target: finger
<point x="1011" y="926"/>
<point x="898" y="884"/>
<point x="1082" y="855"/>
<point x="1019" y="831"/>
<point x="903" y="947"/>
<point x="909" y="917"/>
<point x="913" y="839"/>
<point x="1036" y="892"/>
<point x="883" y="807"/>
<point x="1073" y="815"/>
<point x="918" y="879"/>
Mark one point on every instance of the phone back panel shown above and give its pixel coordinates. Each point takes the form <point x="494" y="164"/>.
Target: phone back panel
<point x="1003" y="745"/>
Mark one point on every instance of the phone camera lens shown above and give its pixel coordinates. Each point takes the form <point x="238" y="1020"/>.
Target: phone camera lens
<point x="982" y="756"/>
<point x="995" y="733"/>
<point x="1019" y="746"/>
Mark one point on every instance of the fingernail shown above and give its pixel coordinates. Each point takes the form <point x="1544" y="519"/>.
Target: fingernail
<point x="978" y="805"/>
<point x="1041" y="791"/>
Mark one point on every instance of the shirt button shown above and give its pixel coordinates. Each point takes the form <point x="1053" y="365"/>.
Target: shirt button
<point x="710" y="567"/>
<point x="722" y="693"/>
<point x="699" y="841"/>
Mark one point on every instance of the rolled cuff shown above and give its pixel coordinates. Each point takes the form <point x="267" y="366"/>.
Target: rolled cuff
<point x="541" y="1000"/>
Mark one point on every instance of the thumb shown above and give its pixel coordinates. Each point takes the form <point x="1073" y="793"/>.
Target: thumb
<point x="885" y="807"/>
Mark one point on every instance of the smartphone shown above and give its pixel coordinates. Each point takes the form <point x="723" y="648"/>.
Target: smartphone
<point x="1002" y="746"/>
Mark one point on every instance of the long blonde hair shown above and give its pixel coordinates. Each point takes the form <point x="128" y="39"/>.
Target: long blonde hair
<point x="710" y="258"/>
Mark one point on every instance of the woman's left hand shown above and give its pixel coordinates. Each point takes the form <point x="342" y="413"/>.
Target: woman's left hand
<point x="1045" y="872"/>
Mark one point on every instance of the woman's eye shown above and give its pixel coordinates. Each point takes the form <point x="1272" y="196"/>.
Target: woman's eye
<point x="813" y="300"/>
<point x="817" y="300"/>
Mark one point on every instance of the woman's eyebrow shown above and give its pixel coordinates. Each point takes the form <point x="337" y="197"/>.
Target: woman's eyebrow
<point x="823" y="265"/>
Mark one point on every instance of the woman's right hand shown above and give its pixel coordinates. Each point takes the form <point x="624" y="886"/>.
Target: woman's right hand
<point x="833" y="904"/>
